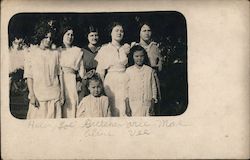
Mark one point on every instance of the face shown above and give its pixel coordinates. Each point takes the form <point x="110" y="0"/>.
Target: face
<point x="117" y="33"/>
<point x="47" y="40"/>
<point x="68" y="37"/>
<point x="17" y="43"/>
<point x="95" y="88"/>
<point x="93" y="38"/>
<point x="145" y="33"/>
<point x="139" y="58"/>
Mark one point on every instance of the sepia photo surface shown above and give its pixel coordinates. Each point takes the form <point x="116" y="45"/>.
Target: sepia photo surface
<point x="206" y="97"/>
<point x="168" y="38"/>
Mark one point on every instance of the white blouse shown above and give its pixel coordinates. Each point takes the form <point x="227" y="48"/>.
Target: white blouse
<point x="141" y="85"/>
<point x="91" y="106"/>
<point x="72" y="58"/>
<point x="111" y="58"/>
<point x="43" y="67"/>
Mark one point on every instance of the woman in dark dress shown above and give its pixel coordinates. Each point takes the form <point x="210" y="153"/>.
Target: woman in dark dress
<point x="89" y="53"/>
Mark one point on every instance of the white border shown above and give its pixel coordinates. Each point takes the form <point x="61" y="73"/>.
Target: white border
<point x="216" y="121"/>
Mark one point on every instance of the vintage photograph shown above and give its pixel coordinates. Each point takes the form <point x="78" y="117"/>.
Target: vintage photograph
<point x="125" y="79"/>
<point x="76" y="65"/>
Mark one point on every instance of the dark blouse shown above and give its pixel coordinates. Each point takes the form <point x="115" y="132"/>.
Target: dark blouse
<point x="89" y="61"/>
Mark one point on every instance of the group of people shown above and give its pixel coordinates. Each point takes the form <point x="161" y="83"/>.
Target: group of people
<point x="114" y="79"/>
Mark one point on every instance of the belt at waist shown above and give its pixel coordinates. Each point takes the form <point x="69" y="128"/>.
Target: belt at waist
<point x="120" y="68"/>
<point x="68" y="70"/>
<point x="116" y="70"/>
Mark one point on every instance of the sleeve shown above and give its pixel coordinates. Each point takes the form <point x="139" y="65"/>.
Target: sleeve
<point x="85" y="57"/>
<point x="153" y="85"/>
<point x="127" y="84"/>
<point x="158" y="52"/>
<point x="102" y="63"/>
<point x="28" y="66"/>
<point x="159" y="56"/>
<point x="82" y="70"/>
<point x="59" y="67"/>
<point x="80" y="63"/>
<point x="80" y="113"/>
<point x="106" y="108"/>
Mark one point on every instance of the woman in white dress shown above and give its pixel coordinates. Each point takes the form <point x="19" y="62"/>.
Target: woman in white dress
<point x="112" y="59"/>
<point x="71" y="61"/>
<point x="42" y="70"/>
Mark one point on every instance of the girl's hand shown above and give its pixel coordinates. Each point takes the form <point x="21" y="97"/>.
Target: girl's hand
<point x="128" y="110"/>
<point x="62" y="100"/>
<point x="79" y="86"/>
<point x="34" y="101"/>
<point x="152" y="107"/>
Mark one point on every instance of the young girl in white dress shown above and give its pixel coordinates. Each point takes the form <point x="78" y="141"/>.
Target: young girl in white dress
<point x="141" y="86"/>
<point x="112" y="59"/>
<point x="41" y="68"/>
<point x="71" y="61"/>
<point x="154" y="55"/>
<point x="95" y="104"/>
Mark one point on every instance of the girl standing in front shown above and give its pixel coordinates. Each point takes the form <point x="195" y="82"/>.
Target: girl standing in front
<point x="154" y="55"/>
<point x="41" y="68"/>
<point x="95" y="104"/>
<point x="141" y="86"/>
<point x="112" y="59"/>
<point x="71" y="61"/>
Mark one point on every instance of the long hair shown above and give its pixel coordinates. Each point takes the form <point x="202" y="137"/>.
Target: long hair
<point x="142" y="23"/>
<point x="63" y="30"/>
<point x="41" y="29"/>
<point x="113" y="25"/>
<point x="90" y="29"/>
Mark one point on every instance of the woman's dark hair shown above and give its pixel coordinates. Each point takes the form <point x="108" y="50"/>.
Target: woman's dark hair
<point x="92" y="28"/>
<point x="131" y="54"/>
<point x="63" y="30"/>
<point x="113" y="24"/>
<point x="142" y="23"/>
<point x="41" y="29"/>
